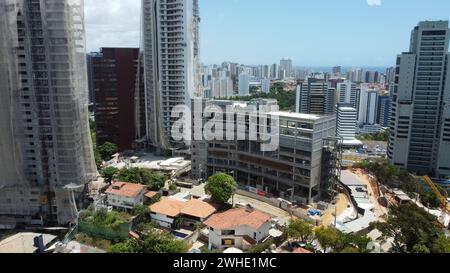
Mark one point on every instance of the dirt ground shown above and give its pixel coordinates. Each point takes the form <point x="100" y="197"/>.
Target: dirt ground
<point x="372" y="188"/>
<point x="341" y="206"/>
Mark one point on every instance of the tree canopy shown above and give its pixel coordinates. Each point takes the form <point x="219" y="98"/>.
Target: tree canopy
<point x="151" y="241"/>
<point x="107" y="149"/>
<point x="300" y="230"/>
<point x="154" y="180"/>
<point x="221" y="187"/>
<point x="109" y="173"/>
<point x="394" y="177"/>
<point x="414" y="231"/>
<point x="285" y="98"/>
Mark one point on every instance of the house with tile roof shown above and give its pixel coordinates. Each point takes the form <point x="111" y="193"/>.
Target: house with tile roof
<point x="241" y="228"/>
<point x="125" y="196"/>
<point x="190" y="211"/>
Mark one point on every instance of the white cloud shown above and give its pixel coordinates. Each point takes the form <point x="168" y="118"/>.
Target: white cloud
<point x="374" y="2"/>
<point x="112" y="23"/>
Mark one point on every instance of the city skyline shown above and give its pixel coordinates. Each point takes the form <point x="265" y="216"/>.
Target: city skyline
<point x="225" y="36"/>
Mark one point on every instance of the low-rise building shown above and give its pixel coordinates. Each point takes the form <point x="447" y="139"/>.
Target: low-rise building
<point x="240" y="228"/>
<point x="125" y="196"/>
<point x="190" y="212"/>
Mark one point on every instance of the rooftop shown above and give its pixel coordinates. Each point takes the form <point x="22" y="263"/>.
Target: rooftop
<point x="238" y="217"/>
<point x="23" y="242"/>
<point x="296" y="115"/>
<point x="125" y="189"/>
<point x="173" y="207"/>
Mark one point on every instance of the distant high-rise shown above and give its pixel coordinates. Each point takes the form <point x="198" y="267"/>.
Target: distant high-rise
<point x="420" y="103"/>
<point x="315" y="97"/>
<point x="274" y="72"/>
<point x="45" y="146"/>
<point x="89" y="58"/>
<point x="383" y="111"/>
<point x="265" y="85"/>
<point x="348" y="92"/>
<point x="346" y="119"/>
<point x="265" y="72"/>
<point x="172" y="65"/>
<point x="115" y="79"/>
<point x="390" y="75"/>
<point x="286" y="69"/>
<point x="337" y="70"/>
<point x="244" y="84"/>
<point x="368" y="103"/>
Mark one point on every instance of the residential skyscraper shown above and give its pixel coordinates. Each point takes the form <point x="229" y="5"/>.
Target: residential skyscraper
<point x="46" y="150"/>
<point x="348" y="92"/>
<point x="265" y="85"/>
<point x="346" y="119"/>
<point x="172" y="65"/>
<point x="368" y="102"/>
<point x="383" y="108"/>
<point x="286" y="68"/>
<point x="337" y="70"/>
<point x="315" y="97"/>
<point x="420" y="110"/>
<point x="244" y="84"/>
<point x="274" y="72"/>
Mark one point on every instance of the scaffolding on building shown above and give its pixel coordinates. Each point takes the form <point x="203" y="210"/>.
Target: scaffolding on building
<point x="332" y="158"/>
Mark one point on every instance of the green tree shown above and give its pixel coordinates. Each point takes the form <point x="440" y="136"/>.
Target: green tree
<point x="350" y="249"/>
<point x="301" y="230"/>
<point x="107" y="149"/>
<point x="120" y="248"/>
<point x="151" y="241"/>
<point x="419" y="248"/>
<point x="411" y="227"/>
<point x="97" y="157"/>
<point x="329" y="238"/>
<point x="139" y="210"/>
<point x="154" y="180"/>
<point x="221" y="187"/>
<point x="357" y="241"/>
<point x="441" y="244"/>
<point x="109" y="172"/>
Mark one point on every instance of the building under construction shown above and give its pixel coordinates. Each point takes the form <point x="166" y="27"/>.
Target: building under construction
<point x="45" y="146"/>
<point x="298" y="170"/>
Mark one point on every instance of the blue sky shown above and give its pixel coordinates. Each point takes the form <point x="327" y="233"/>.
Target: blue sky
<point x="312" y="32"/>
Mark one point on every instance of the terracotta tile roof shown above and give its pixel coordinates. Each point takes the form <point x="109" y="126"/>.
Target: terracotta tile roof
<point x="198" y="208"/>
<point x="168" y="206"/>
<point x="151" y="194"/>
<point x="238" y="217"/>
<point x="301" y="250"/>
<point x="173" y="207"/>
<point x="125" y="189"/>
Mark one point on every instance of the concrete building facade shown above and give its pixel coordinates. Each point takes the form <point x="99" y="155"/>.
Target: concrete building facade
<point x="172" y="64"/>
<point x="46" y="149"/>
<point x="293" y="171"/>
<point x="420" y="111"/>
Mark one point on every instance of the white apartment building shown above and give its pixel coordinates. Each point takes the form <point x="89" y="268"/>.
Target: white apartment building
<point x="348" y="92"/>
<point x="171" y="63"/>
<point x="420" y="103"/>
<point x="368" y="103"/>
<point x="346" y="119"/>
<point x="244" y="84"/>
